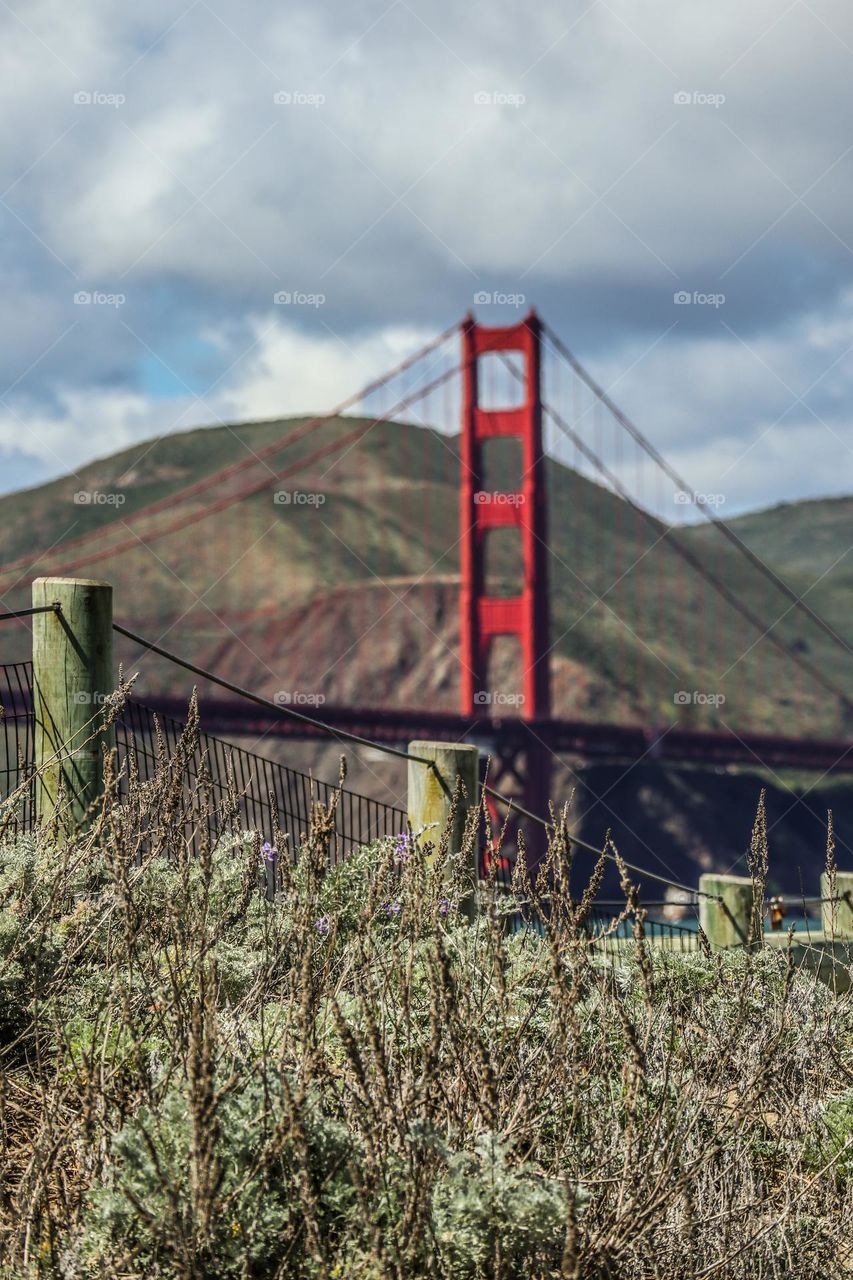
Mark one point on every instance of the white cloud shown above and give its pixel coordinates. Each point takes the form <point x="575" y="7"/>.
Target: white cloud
<point x="292" y="372"/>
<point x="86" y="423"/>
<point x="398" y="196"/>
<point x="284" y="372"/>
<point x="721" y="412"/>
<point x="757" y="417"/>
<point x="136" y="193"/>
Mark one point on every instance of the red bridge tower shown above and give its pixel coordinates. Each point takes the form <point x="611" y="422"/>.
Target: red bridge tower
<point x="525" y="769"/>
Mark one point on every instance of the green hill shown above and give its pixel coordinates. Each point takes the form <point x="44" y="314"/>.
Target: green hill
<point x="351" y="592"/>
<point x="810" y="544"/>
<point x="811" y="537"/>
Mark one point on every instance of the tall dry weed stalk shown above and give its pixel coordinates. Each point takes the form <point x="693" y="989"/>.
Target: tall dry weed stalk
<point x="758" y="861"/>
<point x="831" y="873"/>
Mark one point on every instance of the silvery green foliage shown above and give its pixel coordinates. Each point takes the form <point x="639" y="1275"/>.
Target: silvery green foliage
<point x="349" y="1080"/>
<point x="143" y="1205"/>
<point x="832" y="1138"/>
<point x="485" y="1198"/>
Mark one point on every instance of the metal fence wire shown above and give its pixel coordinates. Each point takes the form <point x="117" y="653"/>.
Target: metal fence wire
<point x="604" y="934"/>
<point x="261" y="786"/>
<point x="17" y="743"/>
<point x="665" y="933"/>
<point x="358" y="818"/>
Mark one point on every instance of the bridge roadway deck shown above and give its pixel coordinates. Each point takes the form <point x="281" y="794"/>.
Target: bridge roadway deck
<point x="227" y="717"/>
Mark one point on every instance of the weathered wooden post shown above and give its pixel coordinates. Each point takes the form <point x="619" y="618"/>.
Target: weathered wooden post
<point x="727" y="914"/>
<point x="837" y="917"/>
<point x="72" y="676"/>
<point x="430" y="791"/>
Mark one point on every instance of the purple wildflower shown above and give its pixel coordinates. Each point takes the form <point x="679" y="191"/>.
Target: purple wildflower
<point x="392" y="908"/>
<point x="269" y="851"/>
<point x="323" y="926"/>
<point x="402" y="847"/>
<point x="445" y="906"/>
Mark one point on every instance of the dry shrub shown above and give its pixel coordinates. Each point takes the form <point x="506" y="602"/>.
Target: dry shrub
<point x="350" y="1080"/>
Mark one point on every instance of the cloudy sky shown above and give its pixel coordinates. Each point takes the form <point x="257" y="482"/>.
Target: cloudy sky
<point x="180" y="164"/>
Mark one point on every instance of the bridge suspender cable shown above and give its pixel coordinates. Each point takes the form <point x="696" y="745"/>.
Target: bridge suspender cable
<point x="563" y="351"/>
<point x="256" y="486"/>
<point x="695" y="563"/>
<point x="702" y="569"/>
<point x="344" y="735"/>
<point x="727" y="532"/>
<point x="260" y="455"/>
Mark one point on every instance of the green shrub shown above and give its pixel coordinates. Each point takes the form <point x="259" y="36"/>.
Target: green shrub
<point x="146" y="1212"/>
<point x="196" y="1081"/>
<point x="487" y="1201"/>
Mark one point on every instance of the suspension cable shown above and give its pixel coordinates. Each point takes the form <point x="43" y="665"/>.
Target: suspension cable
<point x="725" y="529"/>
<point x="256" y="486"/>
<point x="235" y="468"/>
<point x="665" y="533"/>
<point x="342" y="735"/>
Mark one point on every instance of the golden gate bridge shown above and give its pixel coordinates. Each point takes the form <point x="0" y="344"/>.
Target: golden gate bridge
<point x="542" y="571"/>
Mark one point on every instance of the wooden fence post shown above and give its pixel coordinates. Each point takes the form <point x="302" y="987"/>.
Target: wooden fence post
<point x="72" y="675"/>
<point x="430" y="791"/>
<point x="726" y="916"/>
<point x="838" y="922"/>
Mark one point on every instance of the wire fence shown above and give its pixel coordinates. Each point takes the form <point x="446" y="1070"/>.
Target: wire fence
<point x="490" y="859"/>
<point x="17" y="742"/>
<point x="604" y="927"/>
<point x="264" y="788"/>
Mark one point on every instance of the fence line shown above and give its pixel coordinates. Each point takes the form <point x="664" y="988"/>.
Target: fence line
<point x="265" y="789"/>
<point x="359" y="819"/>
<point x="601" y="931"/>
<point x="676" y="937"/>
<point x="342" y="735"/>
<point x="17" y="740"/>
